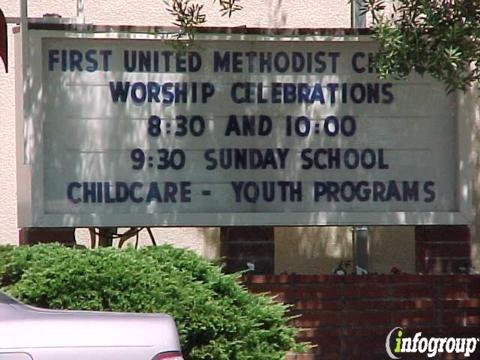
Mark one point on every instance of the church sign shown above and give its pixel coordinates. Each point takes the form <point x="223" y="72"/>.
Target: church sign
<point x="130" y="129"/>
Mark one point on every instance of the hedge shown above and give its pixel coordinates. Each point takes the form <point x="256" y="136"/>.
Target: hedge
<point x="217" y="317"/>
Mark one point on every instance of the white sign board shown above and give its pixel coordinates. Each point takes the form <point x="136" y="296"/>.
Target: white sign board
<point x="237" y="130"/>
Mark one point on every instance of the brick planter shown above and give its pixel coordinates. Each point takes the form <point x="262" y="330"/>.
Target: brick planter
<point x="348" y="317"/>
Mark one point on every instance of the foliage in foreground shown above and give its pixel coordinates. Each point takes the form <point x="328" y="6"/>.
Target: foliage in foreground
<point x="438" y="37"/>
<point x="187" y="14"/>
<point x="217" y="318"/>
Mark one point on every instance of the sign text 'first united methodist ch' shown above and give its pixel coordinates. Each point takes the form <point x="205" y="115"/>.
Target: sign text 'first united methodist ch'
<point x="233" y="132"/>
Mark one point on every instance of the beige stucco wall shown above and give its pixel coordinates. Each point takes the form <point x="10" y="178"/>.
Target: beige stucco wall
<point x="474" y="163"/>
<point x="205" y="241"/>
<point x="8" y="211"/>
<point x="306" y="250"/>
<point x="311" y="250"/>
<point x="320" y="250"/>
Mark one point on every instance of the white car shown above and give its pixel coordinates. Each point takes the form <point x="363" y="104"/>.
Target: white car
<point x="29" y="333"/>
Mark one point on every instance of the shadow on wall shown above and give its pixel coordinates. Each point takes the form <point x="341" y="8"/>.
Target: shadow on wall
<point x="301" y="250"/>
<point x="277" y="17"/>
<point x="474" y="160"/>
<point x="319" y="250"/>
<point x="204" y="241"/>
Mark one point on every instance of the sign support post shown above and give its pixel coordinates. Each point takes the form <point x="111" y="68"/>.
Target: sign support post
<point x="360" y="249"/>
<point x="358" y="19"/>
<point x="359" y="233"/>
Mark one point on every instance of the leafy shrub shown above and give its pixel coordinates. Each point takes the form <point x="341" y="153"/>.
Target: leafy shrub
<point x="217" y="317"/>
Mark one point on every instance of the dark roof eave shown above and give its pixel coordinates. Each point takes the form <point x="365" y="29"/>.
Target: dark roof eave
<point x="203" y="30"/>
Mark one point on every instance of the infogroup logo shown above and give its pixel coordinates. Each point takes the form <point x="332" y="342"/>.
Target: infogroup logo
<point x="398" y="344"/>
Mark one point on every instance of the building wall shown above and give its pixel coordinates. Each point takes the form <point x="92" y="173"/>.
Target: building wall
<point x="301" y="250"/>
<point x="474" y="163"/>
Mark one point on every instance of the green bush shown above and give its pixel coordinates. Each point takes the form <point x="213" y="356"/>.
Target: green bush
<point x="217" y="317"/>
